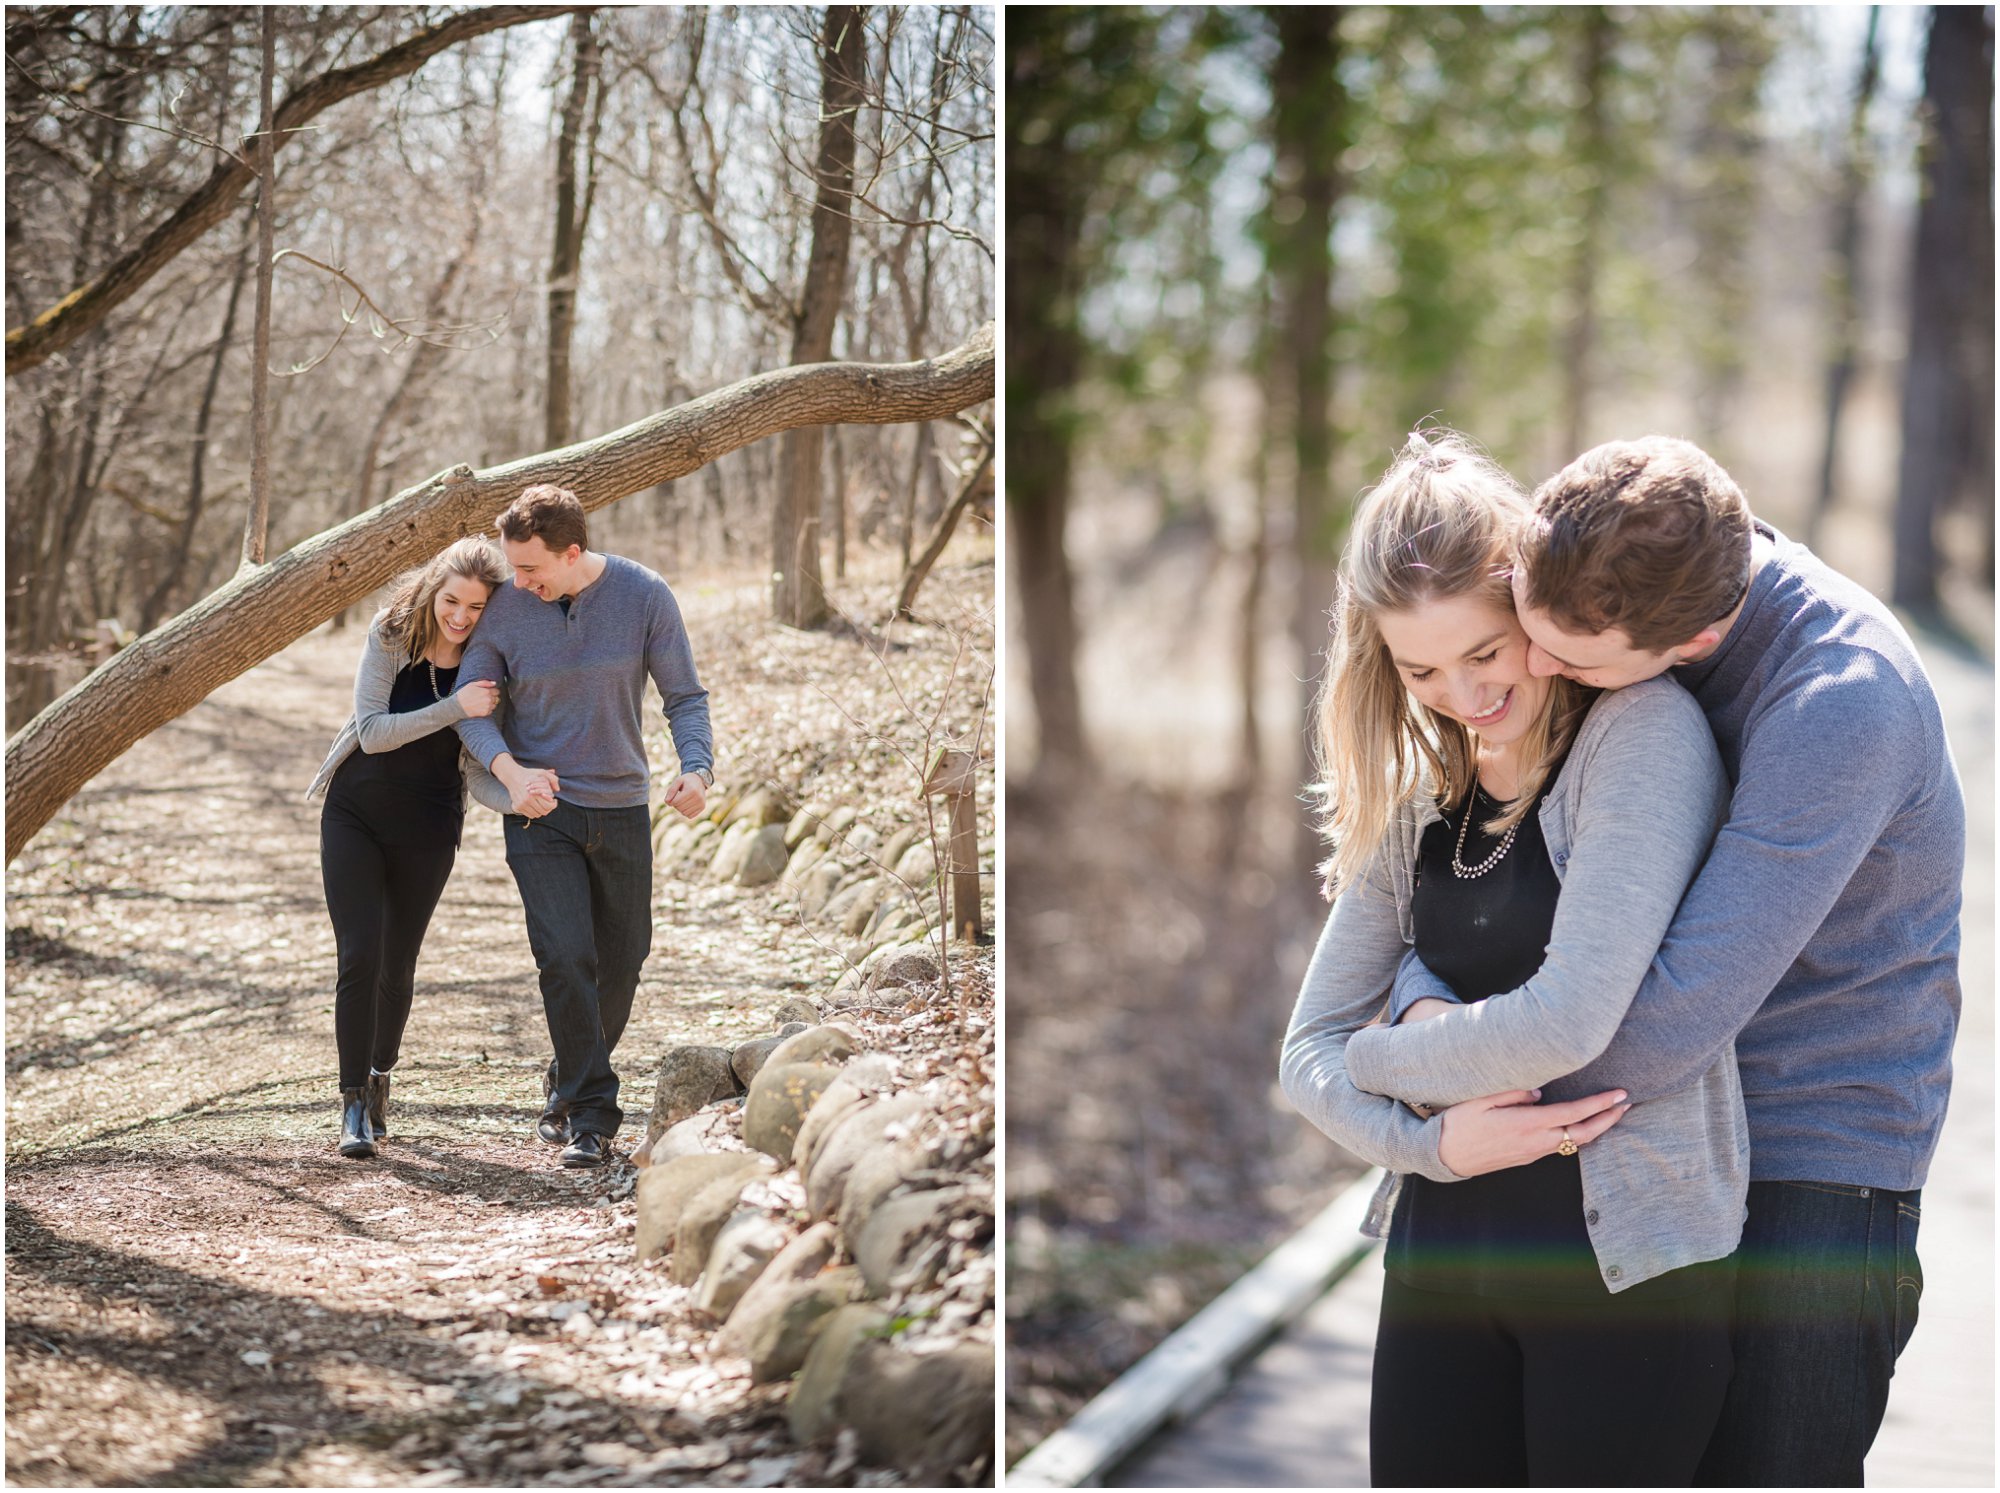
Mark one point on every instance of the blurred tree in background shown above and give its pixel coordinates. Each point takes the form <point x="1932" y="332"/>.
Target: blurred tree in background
<point x="1948" y="382"/>
<point x="1107" y="138"/>
<point x="1249" y="250"/>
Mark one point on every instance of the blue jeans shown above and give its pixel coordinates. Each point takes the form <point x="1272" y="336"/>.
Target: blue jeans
<point x="1827" y="1285"/>
<point x="586" y="879"/>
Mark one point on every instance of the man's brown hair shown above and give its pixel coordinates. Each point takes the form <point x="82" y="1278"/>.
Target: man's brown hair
<point x="546" y="512"/>
<point x="1649" y="536"/>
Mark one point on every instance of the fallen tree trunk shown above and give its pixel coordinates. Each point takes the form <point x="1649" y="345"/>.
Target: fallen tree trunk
<point x="172" y="669"/>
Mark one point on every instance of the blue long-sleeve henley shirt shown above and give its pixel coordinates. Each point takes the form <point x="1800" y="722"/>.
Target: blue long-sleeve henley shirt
<point x="573" y="684"/>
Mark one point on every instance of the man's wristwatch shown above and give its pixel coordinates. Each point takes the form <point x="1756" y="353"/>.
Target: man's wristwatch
<point x="707" y="777"/>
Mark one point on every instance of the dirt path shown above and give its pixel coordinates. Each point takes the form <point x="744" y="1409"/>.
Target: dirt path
<point x="199" y="1290"/>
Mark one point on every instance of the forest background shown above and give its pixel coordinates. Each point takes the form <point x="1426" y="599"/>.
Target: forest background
<point x="570" y="219"/>
<point x="1250" y="249"/>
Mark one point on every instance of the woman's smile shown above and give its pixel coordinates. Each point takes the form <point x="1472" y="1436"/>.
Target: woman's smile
<point x="1467" y="659"/>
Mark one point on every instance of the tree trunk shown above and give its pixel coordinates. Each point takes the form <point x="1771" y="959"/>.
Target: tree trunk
<point x="1307" y="123"/>
<point x="86" y="306"/>
<point x="260" y="362"/>
<point x="566" y="257"/>
<point x="1579" y="341"/>
<point x="1250" y="637"/>
<point x="30" y="675"/>
<point x="798" y="595"/>
<point x="1047" y="186"/>
<point x="1948" y="384"/>
<point x="168" y="672"/>
<point x="837" y="501"/>
<point x="59" y="507"/>
<point x="920" y="457"/>
<point x="1724" y="214"/>
<point x="162" y="595"/>
<point x="1847" y="277"/>
<point x="1041" y="571"/>
<point x="913" y="577"/>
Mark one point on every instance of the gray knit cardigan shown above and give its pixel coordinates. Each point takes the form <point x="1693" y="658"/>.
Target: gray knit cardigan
<point x="1627" y="822"/>
<point x="375" y="728"/>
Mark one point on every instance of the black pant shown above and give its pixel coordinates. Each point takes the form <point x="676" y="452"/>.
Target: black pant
<point x="586" y="879"/>
<point x="1477" y="1391"/>
<point x="1826" y="1298"/>
<point x="380" y="898"/>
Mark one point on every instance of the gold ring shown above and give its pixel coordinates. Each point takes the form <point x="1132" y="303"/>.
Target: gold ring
<point x="1568" y="1146"/>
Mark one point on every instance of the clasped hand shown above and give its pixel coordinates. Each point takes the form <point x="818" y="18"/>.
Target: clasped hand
<point x="1512" y="1129"/>
<point x="533" y="792"/>
<point x="480" y="698"/>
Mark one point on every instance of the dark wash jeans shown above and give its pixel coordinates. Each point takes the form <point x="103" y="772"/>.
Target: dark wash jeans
<point x="586" y="879"/>
<point x="1827" y="1285"/>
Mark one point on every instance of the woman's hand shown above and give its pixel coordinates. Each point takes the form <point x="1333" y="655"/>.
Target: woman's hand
<point x="532" y="790"/>
<point x="480" y="697"/>
<point x="1510" y="1129"/>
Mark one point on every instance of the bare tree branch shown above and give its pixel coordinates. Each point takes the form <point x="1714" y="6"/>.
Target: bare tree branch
<point x="63" y="100"/>
<point x="85" y="307"/>
<point x="436" y="334"/>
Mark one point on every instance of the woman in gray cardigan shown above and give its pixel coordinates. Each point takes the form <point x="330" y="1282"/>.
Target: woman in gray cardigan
<point x="1556" y="1307"/>
<point x="395" y="786"/>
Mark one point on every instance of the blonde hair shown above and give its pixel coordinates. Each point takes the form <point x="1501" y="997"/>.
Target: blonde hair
<point x="410" y="623"/>
<point x="1440" y="525"/>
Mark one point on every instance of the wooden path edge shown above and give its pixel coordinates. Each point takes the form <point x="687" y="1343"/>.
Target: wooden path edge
<point x="1193" y="1366"/>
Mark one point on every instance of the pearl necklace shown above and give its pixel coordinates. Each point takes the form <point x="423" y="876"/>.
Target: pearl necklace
<point x="1458" y="865"/>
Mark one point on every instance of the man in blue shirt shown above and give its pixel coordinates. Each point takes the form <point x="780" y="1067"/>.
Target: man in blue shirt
<point x="571" y="644"/>
<point x="1821" y="935"/>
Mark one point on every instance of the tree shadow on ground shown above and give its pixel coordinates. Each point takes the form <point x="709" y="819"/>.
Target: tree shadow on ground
<point x="239" y="1443"/>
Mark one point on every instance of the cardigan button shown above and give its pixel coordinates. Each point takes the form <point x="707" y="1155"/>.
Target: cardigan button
<point x="1613" y="1273"/>
<point x="1590" y="1217"/>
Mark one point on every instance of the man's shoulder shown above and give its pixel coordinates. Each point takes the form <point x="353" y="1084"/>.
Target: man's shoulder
<point x="633" y="579"/>
<point x="508" y="604"/>
<point x="1823" y="632"/>
<point x="632" y="571"/>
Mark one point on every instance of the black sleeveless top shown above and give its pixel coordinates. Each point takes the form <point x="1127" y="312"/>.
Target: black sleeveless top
<point x="415" y="794"/>
<point x="1516" y="1232"/>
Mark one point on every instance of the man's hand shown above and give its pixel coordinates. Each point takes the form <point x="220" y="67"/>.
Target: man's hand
<point x="1510" y="1129"/>
<point x="1426" y="1008"/>
<point x="531" y="790"/>
<point x="687" y="796"/>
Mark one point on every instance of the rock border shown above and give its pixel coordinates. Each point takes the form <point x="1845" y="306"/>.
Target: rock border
<point x="837" y="1230"/>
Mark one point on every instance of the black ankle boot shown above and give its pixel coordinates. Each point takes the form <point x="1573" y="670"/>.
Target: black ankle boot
<point x="357" y="1137"/>
<point x="378" y="1103"/>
